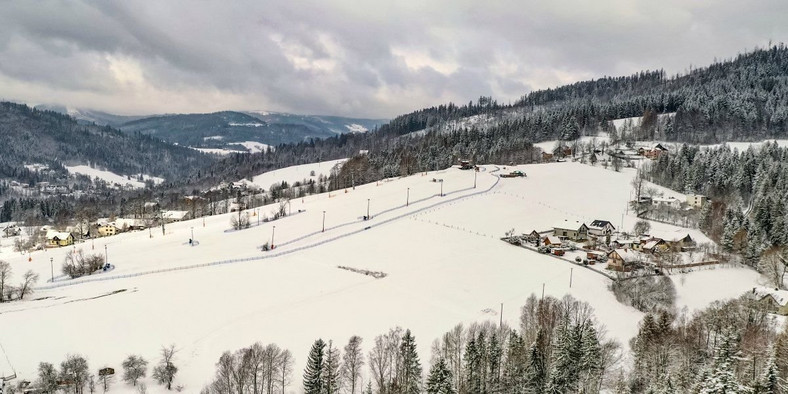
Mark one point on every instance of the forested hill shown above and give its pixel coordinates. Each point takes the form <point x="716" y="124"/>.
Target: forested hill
<point x="745" y="98"/>
<point x="31" y="136"/>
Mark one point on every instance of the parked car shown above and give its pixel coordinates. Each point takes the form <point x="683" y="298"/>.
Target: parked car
<point x="558" y="252"/>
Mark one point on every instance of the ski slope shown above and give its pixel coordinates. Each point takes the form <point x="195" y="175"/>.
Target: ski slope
<point x="111" y="177"/>
<point x="443" y="258"/>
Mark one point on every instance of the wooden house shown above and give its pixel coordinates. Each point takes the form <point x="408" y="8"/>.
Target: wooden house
<point x="623" y="259"/>
<point x="547" y="157"/>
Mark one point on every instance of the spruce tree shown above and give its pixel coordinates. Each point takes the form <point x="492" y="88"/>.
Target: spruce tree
<point x="330" y="373"/>
<point x="536" y="378"/>
<point x="472" y="366"/>
<point x="515" y="364"/>
<point x="411" y="373"/>
<point x="722" y="379"/>
<point x="440" y="379"/>
<point x="313" y="381"/>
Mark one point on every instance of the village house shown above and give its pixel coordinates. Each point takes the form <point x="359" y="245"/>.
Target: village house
<point x="129" y="224"/>
<point x="666" y="202"/>
<point x="574" y="231"/>
<point x="533" y="236"/>
<point x="107" y="230"/>
<point x="678" y="240"/>
<point x="601" y="228"/>
<point x="11" y="230"/>
<point x="655" y="245"/>
<point x="58" y="239"/>
<point x="775" y="300"/>
<point x="654" y="152"/>
<point x="696" y="200"/>
<point x="623" y="259"/>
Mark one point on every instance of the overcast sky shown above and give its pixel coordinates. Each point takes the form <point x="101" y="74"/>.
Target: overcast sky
<point x="363" y="58"/>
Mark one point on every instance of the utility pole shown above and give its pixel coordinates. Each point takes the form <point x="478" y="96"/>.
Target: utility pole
<point x="407" y="198"/>
<point x="52" y="269"/>
<point x="191" y="242"/>
<point x="441" y="182"/>
<point x="542" y="291"/>
<point x="570" y="277"/>
<point x="474" y="178"/>
<point x="324" y="222"/>
<point x="272" y="236"/>
<point x="106" y="258"/>
<point x="368" y="210"/>
<point x="500" y="323"/>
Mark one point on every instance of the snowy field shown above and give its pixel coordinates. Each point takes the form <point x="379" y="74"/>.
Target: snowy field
<point x="111" y="177"/>
<point x="296" y="173"/>
<point x="443" y="256"/>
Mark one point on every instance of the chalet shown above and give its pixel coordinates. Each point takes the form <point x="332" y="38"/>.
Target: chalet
<point x="574" y="231"/>
<point x="775" y="300"/>
<point x="601" y="228"/>
<point x="566" y="151"/>
<point x="696" y="200"/>
<point x="107" y="230"/>
<point x="58" y="239"/>
<point x="551" y="240"/>
<point x="655" y="245"/>
<point x="546" y="157"/>
<point x="623" y="259"/>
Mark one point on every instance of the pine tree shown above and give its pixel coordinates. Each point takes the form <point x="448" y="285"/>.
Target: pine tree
<point x="411" y="367"/>
<point x="591" y="359"/>
<point x="440" y="379"/>
<point x="564" y="366"/>
<point x="313" y="380"/>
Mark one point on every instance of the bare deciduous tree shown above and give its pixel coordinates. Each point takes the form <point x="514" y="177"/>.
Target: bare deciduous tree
<point x="164" y="373"/>
<point x="29" y="279"/>
<point x="134" y="368"/>
<point x="5" y="275"/>
<point x="352" y="361"/>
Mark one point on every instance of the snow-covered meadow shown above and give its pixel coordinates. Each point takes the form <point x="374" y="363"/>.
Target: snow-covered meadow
<point x="443" y="258"/>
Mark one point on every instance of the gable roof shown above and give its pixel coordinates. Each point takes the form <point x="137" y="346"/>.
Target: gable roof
<point x="567" y="225"/>
<point x="553" y="240"/>
<point x="628" y="255"/>
<point x="601" y="223"/>
<point x="779" y="296"/>
<point x="652" y="243"/>
<point x="52" y="235"/>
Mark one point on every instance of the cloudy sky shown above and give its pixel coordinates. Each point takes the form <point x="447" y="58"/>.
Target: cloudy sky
<point x="364" y="58"/>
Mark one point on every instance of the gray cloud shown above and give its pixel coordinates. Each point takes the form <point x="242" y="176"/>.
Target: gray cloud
<point x="346" y="57"/>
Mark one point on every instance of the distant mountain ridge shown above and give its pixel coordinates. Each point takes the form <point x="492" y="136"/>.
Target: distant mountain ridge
<point x="226" y="129"/>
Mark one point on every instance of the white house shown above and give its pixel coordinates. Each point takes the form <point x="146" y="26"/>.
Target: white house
<point x="696" y="200"/>
<point x="601" y="228"/>
<point x="667" y="202"/>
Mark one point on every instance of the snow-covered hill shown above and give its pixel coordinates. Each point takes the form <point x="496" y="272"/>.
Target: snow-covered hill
<point x="442" y="255"/>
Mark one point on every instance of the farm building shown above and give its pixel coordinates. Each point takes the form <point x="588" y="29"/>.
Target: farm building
<point x="775" y="300"/>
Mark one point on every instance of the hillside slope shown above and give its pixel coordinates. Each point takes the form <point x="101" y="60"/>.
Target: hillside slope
<point x="32" y="136"/>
